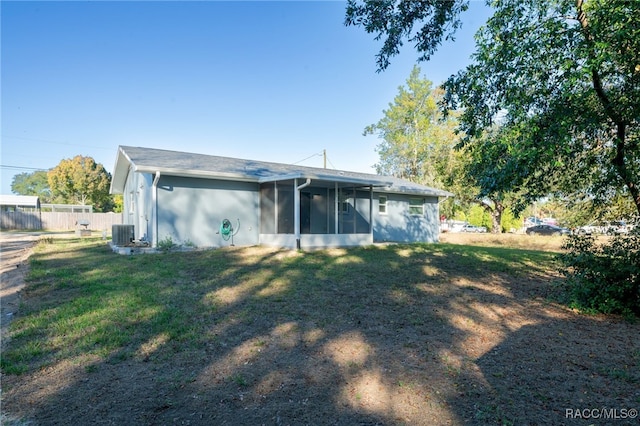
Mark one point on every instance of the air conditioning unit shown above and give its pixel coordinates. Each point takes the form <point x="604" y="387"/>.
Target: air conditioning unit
<point x="122" y="235"/>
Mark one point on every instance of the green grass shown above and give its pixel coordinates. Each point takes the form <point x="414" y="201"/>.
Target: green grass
<point x="82" y="300"/>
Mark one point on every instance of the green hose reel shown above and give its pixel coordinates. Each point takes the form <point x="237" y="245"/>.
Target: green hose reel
<point x="227" y="231"/>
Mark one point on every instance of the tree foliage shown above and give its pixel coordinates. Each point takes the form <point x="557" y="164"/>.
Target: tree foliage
<point x="34" y="183"/>
<point x="566" y="79"/>
<point x="81" y="180"/>
<point x="604" y="277"/>
<point x="564" y="76"/>
<point x="416" y="141"/>
<point x="486" y="164"/>
<point x="396" y="21"/>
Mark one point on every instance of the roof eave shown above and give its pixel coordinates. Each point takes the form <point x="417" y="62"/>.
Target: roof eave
<point x="168" y="171"/>
<point x="323" y="177"/>
<point x="423" y="192"/>
<point x="120" y="172"/>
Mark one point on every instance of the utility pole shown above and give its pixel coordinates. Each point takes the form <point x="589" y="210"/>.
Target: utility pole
<point x="324" y="153"/>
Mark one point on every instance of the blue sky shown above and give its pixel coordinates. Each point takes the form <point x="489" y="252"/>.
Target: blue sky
<point x="272" y="81"/>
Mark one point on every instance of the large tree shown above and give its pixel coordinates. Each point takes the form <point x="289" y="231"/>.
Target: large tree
<point x="416" y="140"/>
<point x="34" y="183"/>
<point x="81" y="180"/>
<point x="486" y="165"/>
<point x="563" y="76"/>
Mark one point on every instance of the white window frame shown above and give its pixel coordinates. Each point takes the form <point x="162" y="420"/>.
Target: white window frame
<point x="131" y="202"/>
<point x="382" y="205"/>
<point x="414" y="205"/>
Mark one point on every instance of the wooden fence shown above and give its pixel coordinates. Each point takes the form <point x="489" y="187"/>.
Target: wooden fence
<point x="58" y="221"/>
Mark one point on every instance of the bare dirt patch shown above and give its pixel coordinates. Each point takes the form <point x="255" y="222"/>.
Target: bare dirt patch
<point x="15" y="249"/>
<point x="420" y="335"/>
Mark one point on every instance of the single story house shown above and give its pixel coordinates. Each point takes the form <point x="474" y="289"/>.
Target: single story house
<point x="212" y="201"/>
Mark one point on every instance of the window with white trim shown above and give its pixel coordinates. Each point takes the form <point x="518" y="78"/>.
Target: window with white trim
<point x="382" y="204"/>
<point x="131" y="202"/>
<point x="416" y="207"/>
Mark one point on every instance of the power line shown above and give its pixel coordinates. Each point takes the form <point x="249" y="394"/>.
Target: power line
<point x="305" y="159"/>
<point x="318" y="154"/>
<point x="332" y="166"/>
<point x="55" y="142"/>
<point x="4" y="166"/>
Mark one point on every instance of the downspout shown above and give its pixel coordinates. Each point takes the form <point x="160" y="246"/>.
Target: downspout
<point x="154" y="211"/>
<point x="371" y="211"/>
<point x="336" y="204"/>
<point x="355" y="210"/>
<point x="296" y="206"/>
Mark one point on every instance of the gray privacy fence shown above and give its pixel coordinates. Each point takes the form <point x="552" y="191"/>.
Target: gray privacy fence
<point x="58" y="221"/>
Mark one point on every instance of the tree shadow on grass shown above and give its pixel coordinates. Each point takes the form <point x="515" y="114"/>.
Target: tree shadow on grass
<point x="544" y="373"/>
<point x="401" y="334"/>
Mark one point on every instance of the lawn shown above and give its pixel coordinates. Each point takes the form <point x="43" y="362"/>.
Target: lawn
<point x="440" y="334"/>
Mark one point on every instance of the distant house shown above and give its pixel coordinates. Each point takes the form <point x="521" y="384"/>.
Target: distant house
<point x="204" y="200"/>
<point x="14" y="203"/>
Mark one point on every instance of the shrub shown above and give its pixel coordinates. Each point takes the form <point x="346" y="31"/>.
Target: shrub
<point x="166" y="244"/>
<point x="603" y="276"/>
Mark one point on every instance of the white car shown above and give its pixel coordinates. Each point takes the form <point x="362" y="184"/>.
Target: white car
<point x="616" y="227"/>
<point x="473" y="228"/>
<point x="588" y="230"/>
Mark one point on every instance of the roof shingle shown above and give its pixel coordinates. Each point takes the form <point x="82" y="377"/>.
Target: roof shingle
<point x="176" y="163"/>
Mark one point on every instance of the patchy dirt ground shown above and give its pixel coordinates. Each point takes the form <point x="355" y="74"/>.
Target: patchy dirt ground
<point x="455" y="347"/>
<point x="15" y="250"/>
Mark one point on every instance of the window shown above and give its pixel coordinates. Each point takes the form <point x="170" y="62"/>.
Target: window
<point x="344" y="203"/>
<point x="382" y="204"/>
<point x="416" y="206"/>
<point x="131" y="202"/>
<point x="345" y="207"/>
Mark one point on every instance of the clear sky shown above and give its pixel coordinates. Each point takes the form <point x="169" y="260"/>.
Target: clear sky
<point x="272" y="81"/>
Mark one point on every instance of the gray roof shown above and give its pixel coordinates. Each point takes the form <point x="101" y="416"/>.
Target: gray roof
<point x="175" y="163"/>
<point x="19" y="200"/>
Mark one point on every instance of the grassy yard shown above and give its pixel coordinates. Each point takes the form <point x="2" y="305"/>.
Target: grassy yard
<point x="395" y="334"/>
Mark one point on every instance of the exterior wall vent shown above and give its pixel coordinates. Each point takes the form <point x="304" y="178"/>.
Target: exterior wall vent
<point x="122" y="235"/>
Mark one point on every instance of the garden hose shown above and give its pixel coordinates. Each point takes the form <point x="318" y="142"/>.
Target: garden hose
<point x="226" y="229"/>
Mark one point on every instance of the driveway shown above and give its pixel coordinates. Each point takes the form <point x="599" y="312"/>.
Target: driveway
<point x="15" y="249"/>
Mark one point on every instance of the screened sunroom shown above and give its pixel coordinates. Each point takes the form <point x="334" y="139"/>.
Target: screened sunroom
<point x="306" y="213"/>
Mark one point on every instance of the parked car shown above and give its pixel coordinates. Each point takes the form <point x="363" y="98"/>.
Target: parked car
<point x="547" y="230"/>
<point x="588" y="229"/>
<point x="615" y="227"/>
<point x="532" y="221"/>
<point x="473" y="228"/>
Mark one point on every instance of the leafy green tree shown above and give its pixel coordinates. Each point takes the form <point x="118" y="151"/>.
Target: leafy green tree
<point x="416" y="141"/>
<point x="485" y="164"/>
<point x="509" y="221"/>
<point x="479" y="216"/>
<point x="118" y="203"/>
<point x="34" y="183"/>
<point x="565" y="76"/>
<point x="395" y="21"/>
<point x="81" y="180"/>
